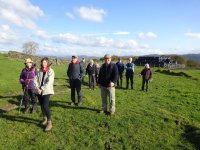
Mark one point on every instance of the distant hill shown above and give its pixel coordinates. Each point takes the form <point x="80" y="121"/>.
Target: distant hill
<point x="194" y="57"/>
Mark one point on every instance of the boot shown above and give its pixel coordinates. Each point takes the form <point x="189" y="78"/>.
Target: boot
<point x="49" y="126"/>
<point x="34" y="108"/>
<point x="44" y="121"/>
<point x="27" y="109"/>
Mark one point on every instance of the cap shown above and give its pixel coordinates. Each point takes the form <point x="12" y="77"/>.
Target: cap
<point x="74" y="56"/>
<point x="107" y="56"/>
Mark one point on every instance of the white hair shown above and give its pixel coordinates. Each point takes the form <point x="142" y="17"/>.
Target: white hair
<point x="147" y="66"/>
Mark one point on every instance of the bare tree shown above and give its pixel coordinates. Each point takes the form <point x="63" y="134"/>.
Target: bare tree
<point x="30" y="48"/>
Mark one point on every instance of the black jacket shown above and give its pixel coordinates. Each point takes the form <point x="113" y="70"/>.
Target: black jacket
<point x="108" y="73"/>
<point x="91" y="70"/>
<point x="75" y="71"/>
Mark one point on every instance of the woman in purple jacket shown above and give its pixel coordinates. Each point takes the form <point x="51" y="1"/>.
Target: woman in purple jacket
<point x="27" y="80"/>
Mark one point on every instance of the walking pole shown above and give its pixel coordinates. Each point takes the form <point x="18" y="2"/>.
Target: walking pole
<point x="21" y="101"/>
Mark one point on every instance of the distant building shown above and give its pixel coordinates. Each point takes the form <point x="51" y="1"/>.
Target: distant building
<point x="158" y="61"/>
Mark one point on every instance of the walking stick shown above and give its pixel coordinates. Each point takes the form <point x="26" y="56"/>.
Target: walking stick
<point x="21" y="101"/>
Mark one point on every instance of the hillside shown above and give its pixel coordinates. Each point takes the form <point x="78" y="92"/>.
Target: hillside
<point x="194" y="57"/>
<point x="168" y="117"/>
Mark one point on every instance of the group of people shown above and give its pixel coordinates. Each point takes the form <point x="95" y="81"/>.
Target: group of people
<point x="38" y="83"/>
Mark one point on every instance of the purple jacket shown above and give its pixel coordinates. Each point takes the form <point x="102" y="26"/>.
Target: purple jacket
<point x="27" y="77"/>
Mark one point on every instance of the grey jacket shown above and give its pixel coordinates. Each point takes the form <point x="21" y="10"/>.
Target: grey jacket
<point x="48" y="82"/>
<point x="75" y="71"/>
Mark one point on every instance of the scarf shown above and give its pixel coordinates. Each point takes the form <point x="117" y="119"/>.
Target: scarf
<point x="44" y="70"/>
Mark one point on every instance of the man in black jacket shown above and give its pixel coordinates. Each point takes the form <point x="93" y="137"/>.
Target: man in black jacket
<point x="108" y="76"/>
<point x="75" y="73"/>
<point x="91" y="71"/>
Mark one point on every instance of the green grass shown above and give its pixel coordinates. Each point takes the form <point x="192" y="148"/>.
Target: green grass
<point x="168" y="117"/>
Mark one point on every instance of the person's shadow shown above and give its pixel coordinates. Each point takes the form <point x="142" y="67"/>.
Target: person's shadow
<point x="65" y="105"/>
<point x="21" y="119"/>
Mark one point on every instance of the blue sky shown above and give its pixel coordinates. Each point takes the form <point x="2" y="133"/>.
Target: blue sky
<point x="96" y="27"/>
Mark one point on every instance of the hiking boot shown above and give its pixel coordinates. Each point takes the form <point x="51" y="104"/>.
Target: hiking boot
<point x="72" y="104"/>
<point x="102" y="112"/>
<point x="49" y="126"/>
<point x="112" y="113"/>
<point x="79" y="103"/>
<point x="27" y="110"/>
<point x="44" y="121"/>
<point x="34" y="108"/>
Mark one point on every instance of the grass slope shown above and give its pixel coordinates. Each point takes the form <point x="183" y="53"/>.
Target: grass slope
<point x="168" y="117"/>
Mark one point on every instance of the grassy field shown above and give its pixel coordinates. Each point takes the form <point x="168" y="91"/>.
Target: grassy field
<point x="168" y="117"/>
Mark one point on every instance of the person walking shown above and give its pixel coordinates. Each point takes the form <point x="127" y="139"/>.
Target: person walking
<point x="120" y="67"/>
<point x="27" y="80"/>
<point x="129" y="73"/>
<point x="146" y="77"/>
<point x="108" y="75"/>
<point x="91" y="71"/>
<point x="75" y="73"/>
<point x="44" y="86"/>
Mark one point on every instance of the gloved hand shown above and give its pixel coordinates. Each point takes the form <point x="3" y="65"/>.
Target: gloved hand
<point x="26" y="82"/>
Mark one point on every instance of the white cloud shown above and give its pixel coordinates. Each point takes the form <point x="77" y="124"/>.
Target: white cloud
<point x="91" y="13"/>
<point x="42" y="34"/>
<point x="73" y="39"/>
<point x="148" y="35"/>
<point x="20" y="13"/>
<point x="121" y="33"/>
<point x="7" y="36"/>
<point x="70" y="15"/>
<point x="193" y="35"/>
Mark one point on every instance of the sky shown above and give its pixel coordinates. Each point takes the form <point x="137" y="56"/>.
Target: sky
<point x="98" y="27"/>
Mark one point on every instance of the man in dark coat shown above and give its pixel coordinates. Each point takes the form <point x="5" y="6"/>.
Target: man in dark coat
<point x="91" y="71"/>
<point x="120" y="67"/>
<point x="107" y="78"/>
<point x="75" y="73"/>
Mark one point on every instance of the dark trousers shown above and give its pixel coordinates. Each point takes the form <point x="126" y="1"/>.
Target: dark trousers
<point x="44" y="103"/>
<point x="91" y="81"/>
<point x="145" y="81"/>
<point x="29" y="98"/>
<point x="120" y="80"/>
<point x="75" y="84"/>
<point x="129" y="77"/>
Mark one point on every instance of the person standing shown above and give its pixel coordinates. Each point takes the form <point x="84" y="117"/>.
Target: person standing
<point x="120" y="67"/>
<point x="97" y="72"/>
<point x="146" y="77"/>
<point x="129" y="73"/>
<point x="27" y="80"/>
<point x="44" y="86"/>
<point x="108" y="75"/>
<point x="91" y="71"/>
<point x="83" y="64"/>
<point x="75" y="73"/>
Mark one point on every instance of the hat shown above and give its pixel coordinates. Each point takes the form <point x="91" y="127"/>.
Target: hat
<point x="74" y="56"/>
<point x="107" y="56"/>
<point x="28" y="60"/>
